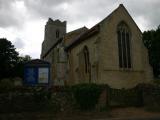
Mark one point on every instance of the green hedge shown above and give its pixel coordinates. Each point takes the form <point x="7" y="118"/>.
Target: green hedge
<point x="86" y="95"/>
<point x="125" y="97"/>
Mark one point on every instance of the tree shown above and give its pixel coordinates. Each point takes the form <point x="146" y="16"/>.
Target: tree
<point x="8" y="58"/>
<point x="19" y="68"/>
<point x="151" y="40"/>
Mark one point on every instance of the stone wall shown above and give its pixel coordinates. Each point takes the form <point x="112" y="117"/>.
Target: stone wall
<point x="56" y="99"/>
<point x="50" y="37"/>
<point x="103" y="55"/>
<point x="55" y="56"/>
<point x="110" y="73"/>
<point x="146" y="95"/>
<point x="35" y="100"/>
<point x="76" y="68"/>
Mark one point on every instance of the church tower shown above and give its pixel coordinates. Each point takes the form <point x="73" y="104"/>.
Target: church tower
<point x="54" y="30"/>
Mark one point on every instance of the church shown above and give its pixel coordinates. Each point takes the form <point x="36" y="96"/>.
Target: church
<point x="111" y="52"/>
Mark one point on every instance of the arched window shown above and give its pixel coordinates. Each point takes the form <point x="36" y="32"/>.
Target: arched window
<point x="57" y="33"/>
<point x="86" y="58"/>
<point x="124" y="37"/>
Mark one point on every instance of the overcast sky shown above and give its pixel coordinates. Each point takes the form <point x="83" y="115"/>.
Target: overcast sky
<point x="23" y="21"/>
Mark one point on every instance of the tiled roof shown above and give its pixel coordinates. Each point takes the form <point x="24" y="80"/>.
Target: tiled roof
<point x="73" y="34"/>
<point x="93" y="30"/>
<point x="84" y="35"/>
<point x="67" y="38"/>
<point x="37" y="62"/>
<point x="58" y="41"/>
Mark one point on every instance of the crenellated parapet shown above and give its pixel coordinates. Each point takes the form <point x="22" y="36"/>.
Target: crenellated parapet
<point x="54" y="30"/>
<point x="56" y="22"/>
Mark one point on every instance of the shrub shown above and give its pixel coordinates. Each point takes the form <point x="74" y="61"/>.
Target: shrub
<point x="6" y="85"/>
<point x="125" y="97"/>
<point x="86" y="95"/>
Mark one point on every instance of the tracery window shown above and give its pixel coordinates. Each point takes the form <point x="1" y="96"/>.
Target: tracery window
<point x="86" y="58"/>
<point x="124" y="51"/>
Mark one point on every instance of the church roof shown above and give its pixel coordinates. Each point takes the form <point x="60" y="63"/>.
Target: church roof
<point x="73" y="34"/>
<point x="37" y="62"/>
<point x="84" y="35"/>
<point x="77" y="30"/>
<point x="67" y="38"/>
<point x="75" y="37"/>
<point x="53" y="46"/>
<point x="93" y="30"/>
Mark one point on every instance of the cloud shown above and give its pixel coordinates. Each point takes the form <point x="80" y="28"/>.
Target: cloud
<point x="83" y="11"/>
<point x="72" y="10"/>
<point x="146" y="12"/>
<point x="12" y="13"/>
<point x="75" y="11"/>
<point x="23" y="21"/>
<point x="19" y="44"/>
<point x="44" y="8"/>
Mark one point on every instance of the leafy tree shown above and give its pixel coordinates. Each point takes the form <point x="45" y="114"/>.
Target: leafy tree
<point x="8" y="58"/>
<point x="20" y="65"/>
<point x="151" y="40"/>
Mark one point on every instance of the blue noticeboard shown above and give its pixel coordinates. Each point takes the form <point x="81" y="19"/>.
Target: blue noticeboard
<point x="37" y="72"/>
<point x="31" y="75"/>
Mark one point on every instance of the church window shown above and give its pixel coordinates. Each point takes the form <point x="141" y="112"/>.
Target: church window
<point x="86" y="58"/>
<point x="123" y="34"/>
<point x="57" y="33"/>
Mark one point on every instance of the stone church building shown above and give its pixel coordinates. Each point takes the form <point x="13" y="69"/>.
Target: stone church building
<point x="111" y="52"/>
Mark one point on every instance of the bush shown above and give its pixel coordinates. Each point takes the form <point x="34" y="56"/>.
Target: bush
<point x="126" y="97"/>
<point x="151" y="95"/>
<point x="154" y="107"/>
<point x="6" y="85"/>
<point x="86" y="95"/>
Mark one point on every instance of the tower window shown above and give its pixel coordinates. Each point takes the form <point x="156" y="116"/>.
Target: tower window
<point x="123" y="34"/>
<point x="57" y="33"/>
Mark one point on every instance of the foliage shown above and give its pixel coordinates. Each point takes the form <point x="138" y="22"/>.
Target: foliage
<point x="8" y="58"/>
<point x="43" y="100"/>
<point x="125" y="97"/>
<point x="86" y="95"/>
<point x="151" y="97"/>
<point x="6" y="85"/>
<point x="19" y="68"/>
<point x="11" y="64"/>
<point x="41" y="96"/>
<point x="151" y="40"/>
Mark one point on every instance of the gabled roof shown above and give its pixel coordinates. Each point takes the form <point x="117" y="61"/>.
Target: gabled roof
<point x="77" y="30"/>
<point x="36" y="62"/>
<point x="73" y="34"/>
<point x="75" y="37"/>
<point x="95" y="29"/>
<point x="83" y="36"/>
<point x="120" y="6"/>
<point x="53" y="46"/>
<point x="67" y="38"/>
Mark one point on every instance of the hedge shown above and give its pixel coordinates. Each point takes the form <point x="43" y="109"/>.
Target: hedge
<point x="86" y="95"/>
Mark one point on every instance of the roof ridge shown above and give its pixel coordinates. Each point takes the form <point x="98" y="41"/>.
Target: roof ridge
<point x="77" y="29"/>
